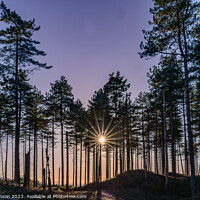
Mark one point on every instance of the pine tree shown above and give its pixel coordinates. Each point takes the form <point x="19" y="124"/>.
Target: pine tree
<point x="173" y="23"/>
<point x="19" y="50"/>
<point x="116" y="88"/>
<point x="61" y="92"/>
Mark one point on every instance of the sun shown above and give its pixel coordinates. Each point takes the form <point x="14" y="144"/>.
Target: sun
<point x="102" y="140"/>
<point x="99" y="135"/>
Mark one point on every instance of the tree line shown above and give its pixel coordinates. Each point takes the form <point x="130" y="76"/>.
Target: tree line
<point x="159" y="129"/>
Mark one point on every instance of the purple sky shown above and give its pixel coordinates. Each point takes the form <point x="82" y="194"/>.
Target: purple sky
<point x="86" y="40"/>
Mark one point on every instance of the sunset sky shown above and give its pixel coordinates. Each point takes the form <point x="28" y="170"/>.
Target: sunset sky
<point x="86" y="40"/>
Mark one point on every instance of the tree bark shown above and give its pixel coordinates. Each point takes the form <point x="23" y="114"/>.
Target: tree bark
<point x="128" y="146"/>
<point x="163" y="146"/>
<point x="107" y="163"/>
<point x="17" y="131"/>
<point x="43" y="180"/>
<point x="144" y="149"/>
<point x="27" y="169"/>
<point x="120" y="160"/>
<point x="88" y="165"/>
<point x="184" y="54"/>
<point x="34" y="156"/>
<point x="76" y="157"/>
<point x="166" y="147"/>
<point x="156" y="144"/>
<point x="12" y="159"/>
<point x="190" y="136"/>
<point x="172" y="138"/>
<point x="185" y="139"/>
<point x="6" y="161"/>
<point x="67" y="160"/>
<point x="94" y="167"/>
<point x="85" y="164"/>
<point x="116" y="160"/>
<point x="81" y="162"/>
<point x="148" y="142"/>
<point x="97" y="164"/>
<point x="53" y="166"/>
<point x="100" y="172"/>
<point x="62" y="154"/>
<point x="113" y="161"/>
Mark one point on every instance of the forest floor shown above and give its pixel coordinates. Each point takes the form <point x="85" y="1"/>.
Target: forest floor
<point x="130" y="186"/>
<point x="127" y="186"/>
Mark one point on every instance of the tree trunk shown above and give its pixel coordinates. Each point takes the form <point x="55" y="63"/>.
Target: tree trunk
<point x="88" y="165"/>
<point x="94" y="167"/>
<point x="123" y="149"/>
<point x="100" y="172"/>
<point x="46" y="171"/>
<point x="185" y="139"/>
<point x="29" y="146"/>
<point x="113" y="161"/>
<point x="166" y="147"/>
<point x="137" y="157"/>
<point x="73" y="163"/>
<point x="76" y="157"/>
<point x="48" y="168"/>
<point x="144" y="149"/>
<point x="43" y="180"/>
<point x="19" y="111"/>
<point x="85" y="164"/>
<point x="181" y="160"/>
<point x="12" y="159"/>
<point x="131" y="158"/>
<point x="2" y="158"/>
<point x="27" y="169"/>
<point x="67" y="160"/>
<point x="36" y="163"/>
<point x="34" y="157"/>
<point x="1" y="153"/>
<point x="128" y="147"/>
<point x="148" y="142"/>
<point x="107" y="163"/>
<point x="17" y="131"/>
<point x="116" y="160"/>
<point x="59" y="176"/>
<point x="81" y="162"/>
<point x="6" y="161"/>
<point x="120" y="160"/>
<point x="53" y="166"/>
<point x="190" y="136"/>
<point x="172" y="138"/>
<point x="156" y="144"/>
<point x="163" y="146"/>
<point x="62" y="154"/>
<point x="97" y="164"/>
<point x="25" y="139"/>
<point x="189" y="129"/>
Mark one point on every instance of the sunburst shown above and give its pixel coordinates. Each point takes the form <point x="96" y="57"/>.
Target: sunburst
<point x="101" y="135"/>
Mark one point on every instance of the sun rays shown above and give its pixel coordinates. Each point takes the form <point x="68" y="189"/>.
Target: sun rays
<point x="102" y="133"/>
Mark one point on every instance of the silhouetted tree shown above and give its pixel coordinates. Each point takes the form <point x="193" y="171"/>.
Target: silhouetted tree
<point x="173" y="24"/>
<point x="61" y="92"/>
<point x="18" y="51"/>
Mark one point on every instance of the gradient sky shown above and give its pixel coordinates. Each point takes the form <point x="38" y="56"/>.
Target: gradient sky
<point x="86" y="40"/>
